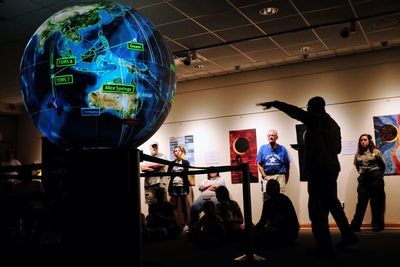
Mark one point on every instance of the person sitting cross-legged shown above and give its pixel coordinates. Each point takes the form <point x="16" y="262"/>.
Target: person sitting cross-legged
<point x="278" y="225"/>
<point x="230" y="213"/>
<point x="209" y="231"/>
<point x="161" y="220"/>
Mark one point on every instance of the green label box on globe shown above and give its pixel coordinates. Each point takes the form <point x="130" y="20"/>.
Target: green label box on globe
<point x="97" y="75"/>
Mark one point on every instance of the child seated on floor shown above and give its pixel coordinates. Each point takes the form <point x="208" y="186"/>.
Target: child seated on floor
<point x="209" y="230"/>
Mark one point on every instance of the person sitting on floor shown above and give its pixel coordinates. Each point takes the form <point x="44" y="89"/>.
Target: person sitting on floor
<point x="278" y="225"/>
<point x="231" y="214"/>
<point x="207" y="188"/>
<point x="209" y="230"/>
<point x="161" y="220"/>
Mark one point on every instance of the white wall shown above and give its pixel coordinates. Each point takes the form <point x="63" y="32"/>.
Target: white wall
<point x="356" y="88"/>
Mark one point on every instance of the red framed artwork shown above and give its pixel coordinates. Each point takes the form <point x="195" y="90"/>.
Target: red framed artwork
<point x="243" y="149"/>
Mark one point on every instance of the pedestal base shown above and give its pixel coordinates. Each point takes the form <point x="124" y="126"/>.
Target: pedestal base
<point x="101" y="216"/>
<point x="253" y="257"/>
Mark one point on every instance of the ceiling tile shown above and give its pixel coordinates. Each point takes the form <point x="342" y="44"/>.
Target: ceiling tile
<point x="226" y="19"/>
<point x="180" y="29"/>
<point x="331" y="36"/>
<point x="138" y="4"/>
<point x="256" y="45"/>
<point x="307" y="5"/>
<point x="295" y="37"/>
<point x="232" y="61"/>
<point x="196" y="8"/>
<point x="285" y="9"/>
<point x="331" y="15"/>
<point x="381" y="23"/>
<point x="244" y="3"/>
<point x="243" y="32"/>
<point x="371" y="7"/>
<point x="162" y="13"/>
<point x="384" y="36"/>
<point x="200" y="40"/>
<point x="267" y="55"/>
<point x="282" y="24"/>
<point x="218" y="52"/>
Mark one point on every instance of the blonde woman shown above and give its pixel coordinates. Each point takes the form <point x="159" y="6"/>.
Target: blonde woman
<point x="178" y="188"/>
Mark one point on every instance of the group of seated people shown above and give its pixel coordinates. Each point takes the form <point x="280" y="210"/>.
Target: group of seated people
<point x="220" y="221"/>
<point x="216" y="218"/>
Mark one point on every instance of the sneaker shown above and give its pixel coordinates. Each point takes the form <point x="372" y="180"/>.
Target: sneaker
<point x="186" y="229"/>
<point x="348" y="241"/>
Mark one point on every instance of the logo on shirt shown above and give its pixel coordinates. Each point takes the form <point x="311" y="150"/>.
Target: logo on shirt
<point x="272" y="160"/>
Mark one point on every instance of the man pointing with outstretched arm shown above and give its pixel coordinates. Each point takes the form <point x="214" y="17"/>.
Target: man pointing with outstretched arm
<point x="322" y="144"/>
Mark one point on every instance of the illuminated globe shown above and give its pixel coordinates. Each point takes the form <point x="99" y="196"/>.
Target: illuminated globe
<point x="97" y="75"/>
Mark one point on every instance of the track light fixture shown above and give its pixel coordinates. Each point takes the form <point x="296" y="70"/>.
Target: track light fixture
<point x="345" y="33"/>
<point x="191" y="55"/>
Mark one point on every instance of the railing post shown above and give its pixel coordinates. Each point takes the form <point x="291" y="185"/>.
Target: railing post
<point x="248" y="223"/>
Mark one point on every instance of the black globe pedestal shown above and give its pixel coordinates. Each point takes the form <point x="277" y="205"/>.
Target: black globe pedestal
<point x="103" y="214"/>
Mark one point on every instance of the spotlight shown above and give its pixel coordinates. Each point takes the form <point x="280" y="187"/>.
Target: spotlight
<point x="345" y="33"/>
<point x="186" y="57"/>
<point x="187" y="61"/>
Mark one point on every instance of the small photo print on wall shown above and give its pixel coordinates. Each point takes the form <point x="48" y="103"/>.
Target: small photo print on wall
<point x="243" y="149"/>
<point x="387" y="137"/>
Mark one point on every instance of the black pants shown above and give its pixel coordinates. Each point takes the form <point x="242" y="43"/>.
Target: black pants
<point x="322" y="190"/>
<point x="370" y="188"/>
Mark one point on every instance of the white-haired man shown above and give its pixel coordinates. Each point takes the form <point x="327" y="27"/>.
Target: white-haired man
<point x="273" y="162"/>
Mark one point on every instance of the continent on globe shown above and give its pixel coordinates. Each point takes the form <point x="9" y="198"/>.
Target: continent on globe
<point x="97" y="75"/>
<point x="117" y="97"/>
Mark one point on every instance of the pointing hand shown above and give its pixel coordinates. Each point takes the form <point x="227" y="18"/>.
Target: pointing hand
<point x="266" y="105"/>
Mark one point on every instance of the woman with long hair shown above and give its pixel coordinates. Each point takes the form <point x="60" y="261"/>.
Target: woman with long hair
<point x="178" y="187"/>
<point x="371" y="186"/>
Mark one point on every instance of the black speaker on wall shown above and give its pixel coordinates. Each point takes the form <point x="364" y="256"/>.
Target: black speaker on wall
<point x="300" y="132"/>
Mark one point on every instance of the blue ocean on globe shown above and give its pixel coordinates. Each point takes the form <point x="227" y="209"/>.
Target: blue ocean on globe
<point x="97" y="75"/>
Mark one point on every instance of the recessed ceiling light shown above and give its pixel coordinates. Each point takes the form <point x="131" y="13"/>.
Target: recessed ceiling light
<point x="305" y="48"/>
<point x="268" y="11"/>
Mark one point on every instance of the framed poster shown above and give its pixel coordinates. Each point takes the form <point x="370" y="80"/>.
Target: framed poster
<point x="387" y="138"/>
<point x="243" y="149"/>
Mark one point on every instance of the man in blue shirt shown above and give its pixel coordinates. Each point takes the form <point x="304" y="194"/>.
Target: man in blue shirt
<point x="273" y="162"/>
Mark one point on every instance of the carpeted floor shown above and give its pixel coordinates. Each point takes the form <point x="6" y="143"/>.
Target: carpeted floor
<point x="375" y="249"/>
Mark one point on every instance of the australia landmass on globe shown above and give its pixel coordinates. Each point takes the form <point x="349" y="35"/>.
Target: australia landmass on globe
<point x="72" y="23"/>
<point x="97" y="74"/>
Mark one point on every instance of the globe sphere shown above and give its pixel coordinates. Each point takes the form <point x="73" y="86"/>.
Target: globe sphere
<point x="97" y="75"/>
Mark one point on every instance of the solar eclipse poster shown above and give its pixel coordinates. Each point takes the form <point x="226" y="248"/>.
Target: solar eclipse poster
<point x="243" y="149"/>
<point x="387" y="138"/>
